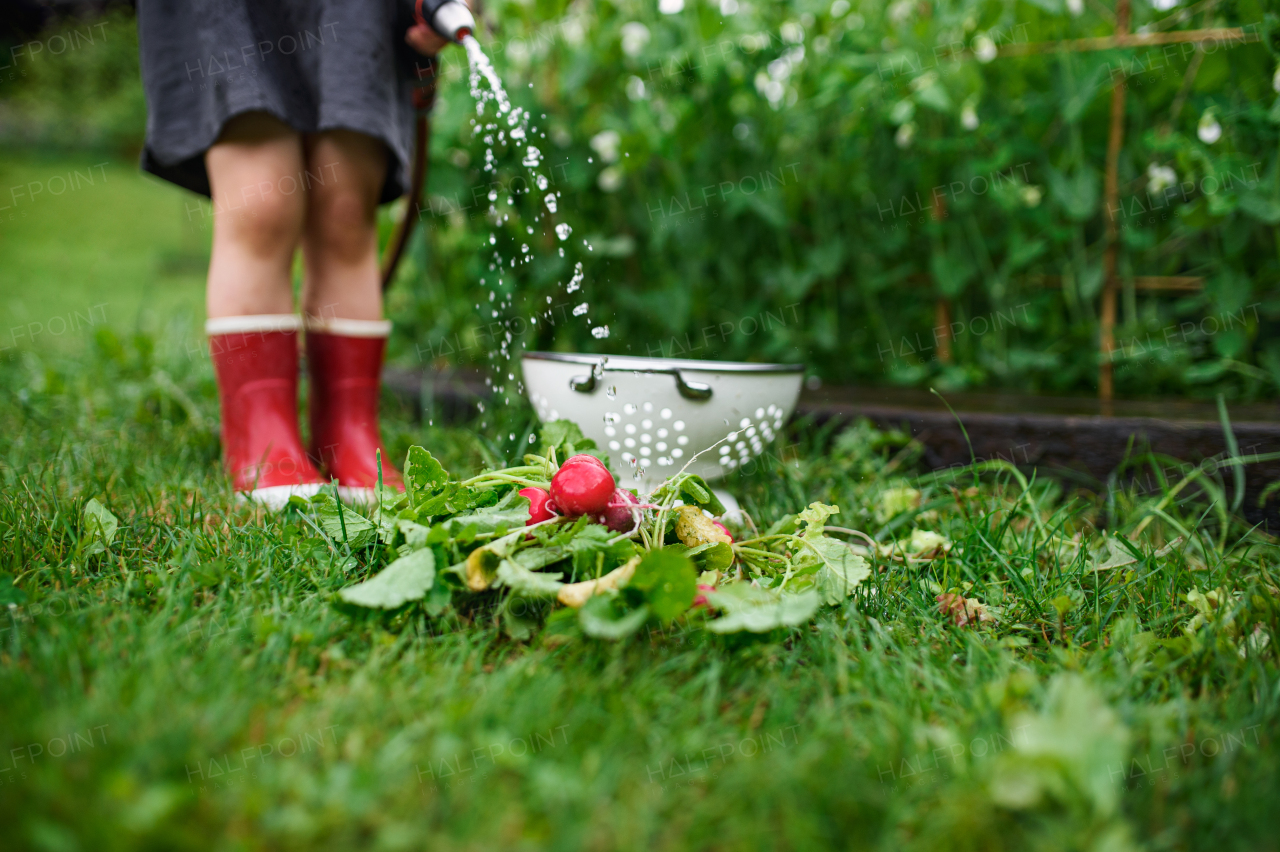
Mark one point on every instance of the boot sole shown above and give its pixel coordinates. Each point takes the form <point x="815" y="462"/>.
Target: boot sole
<point x="276" y="497"/>
<point x="351" y="494"/>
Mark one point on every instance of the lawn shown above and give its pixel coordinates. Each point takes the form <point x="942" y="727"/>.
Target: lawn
<point x="193" y="684"/>
<point x="87" y="241"/>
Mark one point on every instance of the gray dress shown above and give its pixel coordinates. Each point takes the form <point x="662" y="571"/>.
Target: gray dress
<point x="314" y="64"/>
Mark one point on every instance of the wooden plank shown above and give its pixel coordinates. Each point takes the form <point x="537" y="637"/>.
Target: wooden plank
<point x="1150" y="283"/>
<point x="1170" y="283"/>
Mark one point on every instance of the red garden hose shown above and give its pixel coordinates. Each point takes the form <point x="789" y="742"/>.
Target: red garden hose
<point x="454" y="21"/>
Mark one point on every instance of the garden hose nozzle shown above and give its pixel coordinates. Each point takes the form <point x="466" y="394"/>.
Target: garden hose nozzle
<point x="450" y="18"/>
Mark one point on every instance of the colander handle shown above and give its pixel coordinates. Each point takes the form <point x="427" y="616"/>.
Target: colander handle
<point x="697" y="391"/>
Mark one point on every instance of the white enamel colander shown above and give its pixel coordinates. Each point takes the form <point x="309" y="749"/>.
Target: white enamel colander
<point x="652" y="415"/>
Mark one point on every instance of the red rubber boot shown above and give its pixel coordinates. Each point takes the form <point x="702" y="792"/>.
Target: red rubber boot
<point x="344" y="361"/>
<point x="256" y="361"/>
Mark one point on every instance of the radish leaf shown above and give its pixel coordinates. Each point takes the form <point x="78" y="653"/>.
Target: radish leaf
<point x="407" y="579"/>
<point x="602" y="617"/>
<point x="665" y="580"/>
<point x="759" y="611"/>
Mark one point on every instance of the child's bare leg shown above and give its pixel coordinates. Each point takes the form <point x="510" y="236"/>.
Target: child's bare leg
<point x="340" y="244"/>
<point x="259" y="201"/>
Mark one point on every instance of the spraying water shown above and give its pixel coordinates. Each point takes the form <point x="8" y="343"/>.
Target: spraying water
<point x="498" y="122"/>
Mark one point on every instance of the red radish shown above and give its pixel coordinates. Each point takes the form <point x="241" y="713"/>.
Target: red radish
<point x="724" y="530"/>
<point x="583" y="458"/>
<point x="701" y="599"/>
<point x="618" y="515"/>
<point x="541" y="506"/>
<point x="581" y="487"/>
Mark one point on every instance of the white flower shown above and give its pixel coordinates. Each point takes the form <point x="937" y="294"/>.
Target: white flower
<point x="574" y="31"/>
<point x="968" y="117"/>
<point x="670" y="7"/>
<point x="605" y="143"/>
<point x="610" y="179"/>
<point x="1075" y="7"/>
<point x="519" y="53"/>
<point x="905" y="134"/>
<point x="635" y="36"/>
<point x="635" y="89"/>
<point x="1210" y="130"/>
<point x="771" y="90"/>
<point x="984" y="48"/>
<point x="901" y="10"/>
<point x="1159" y="177"/>
<point x="902" y="112"/>
<point x="1031" y="195"/>
<point x="924" y="81"/>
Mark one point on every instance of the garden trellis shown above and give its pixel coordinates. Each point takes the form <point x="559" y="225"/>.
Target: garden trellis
<point x="1111" y="191"/>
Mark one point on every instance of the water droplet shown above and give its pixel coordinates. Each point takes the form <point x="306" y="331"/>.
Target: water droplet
<point x="600" y="332"/>
<point x="551" y="205"/>
<point x="563" y="231"/>
<point x="580" y="310"/>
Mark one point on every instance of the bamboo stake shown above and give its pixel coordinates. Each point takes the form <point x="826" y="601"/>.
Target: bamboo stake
<point x="1111" y="193"/>
<point x="942" y="329"/>
<point x="1126" y="39"/>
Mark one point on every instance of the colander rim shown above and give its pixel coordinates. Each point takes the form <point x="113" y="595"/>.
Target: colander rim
<point x="640" y="363"/>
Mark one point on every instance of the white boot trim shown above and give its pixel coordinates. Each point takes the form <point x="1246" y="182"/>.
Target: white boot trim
<point x="252" y="323"/>
<point x="349" y="327"/>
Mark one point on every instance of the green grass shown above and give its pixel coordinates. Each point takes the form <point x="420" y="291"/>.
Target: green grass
<point x="90" y="241"/>
<point x="214" y="698"/>
<point x="204" y="640"/>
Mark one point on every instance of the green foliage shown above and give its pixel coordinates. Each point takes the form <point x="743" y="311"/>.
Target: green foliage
<point x="564" y="438"/>
<point x="666" y="582"/>
<point x="760" y="611"/>
<point x="99" y="522"/>
<point x="407" y="579"/>
<point x="75" y="86"/>
<point x="801" y="180"/>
